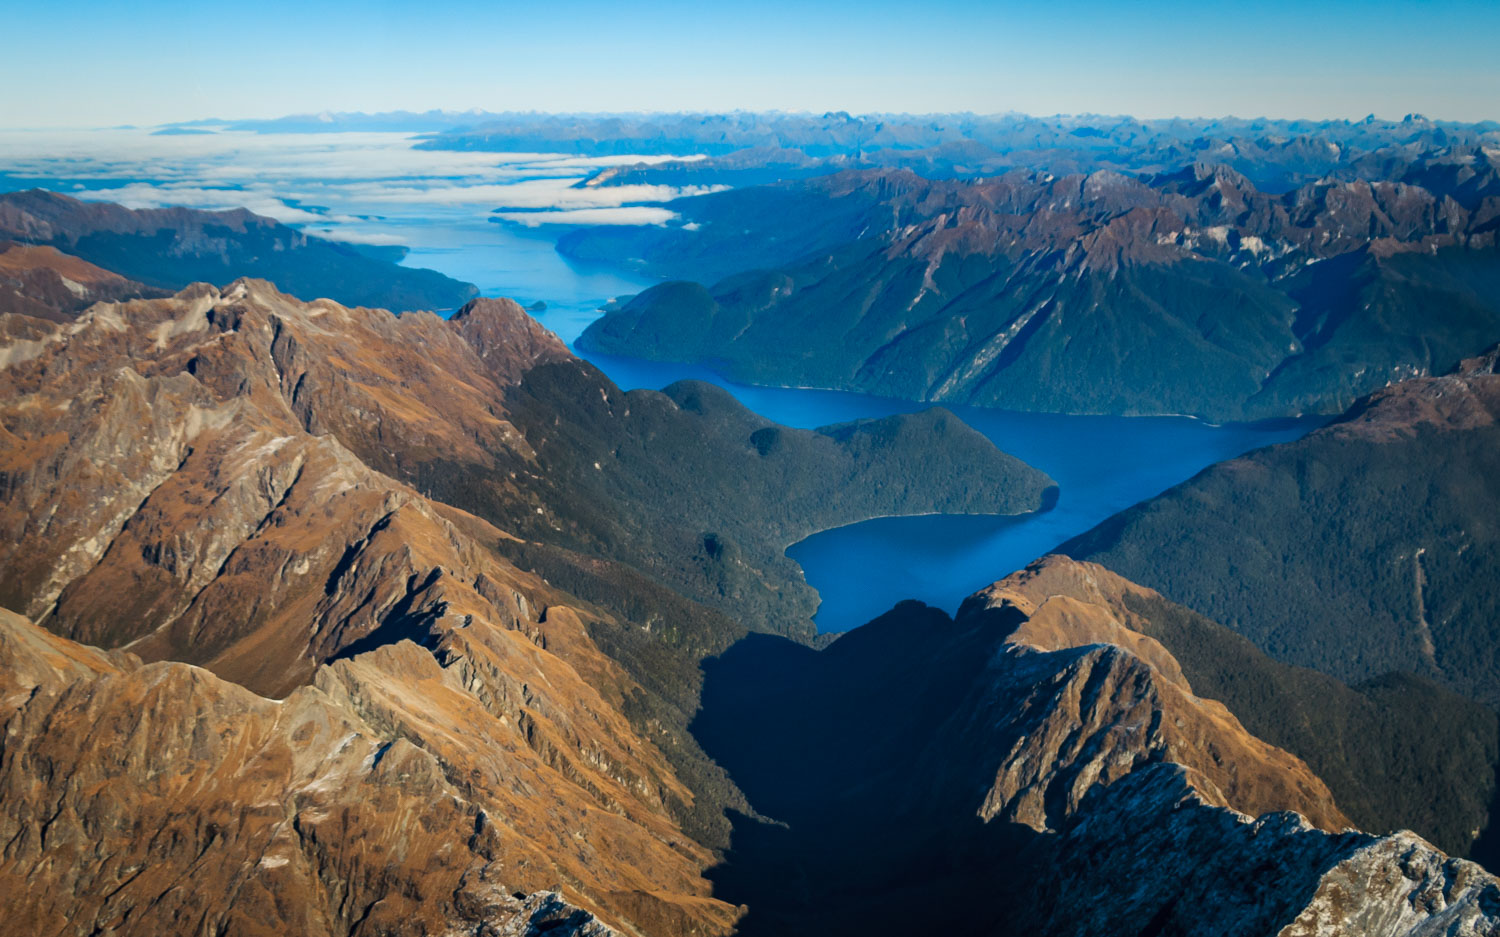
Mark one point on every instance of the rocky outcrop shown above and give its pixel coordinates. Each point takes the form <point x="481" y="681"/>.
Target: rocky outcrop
<point x="401" y="793"/>
<point x="1080" y="786"/>
<point x="1150" y="849"/>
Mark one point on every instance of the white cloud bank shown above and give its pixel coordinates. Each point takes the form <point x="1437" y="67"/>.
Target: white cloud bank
<point x="362" y="180"/>
<point x="630" y="215"/>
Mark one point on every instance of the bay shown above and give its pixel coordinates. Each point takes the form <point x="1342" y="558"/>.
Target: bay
<point x="1102" y="464"/>
<point x="375" y="189"/>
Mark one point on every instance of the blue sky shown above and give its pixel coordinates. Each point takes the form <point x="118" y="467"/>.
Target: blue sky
<point x="152" y="61"/>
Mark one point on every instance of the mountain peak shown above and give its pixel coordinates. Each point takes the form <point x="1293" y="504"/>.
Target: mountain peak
<point x="507" y="338"/>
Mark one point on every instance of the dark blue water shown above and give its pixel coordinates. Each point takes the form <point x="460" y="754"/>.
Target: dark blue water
<point x="1101" y="464"/>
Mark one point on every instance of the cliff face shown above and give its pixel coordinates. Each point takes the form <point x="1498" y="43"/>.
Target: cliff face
<point x="1129" y="704"/>
<point x="1079" y="787"/>
<point x="1155" y="851"/>
<point x="1184" y="292"/>
<point x="1151" y="849"/>
<point x="1373" y="743"/>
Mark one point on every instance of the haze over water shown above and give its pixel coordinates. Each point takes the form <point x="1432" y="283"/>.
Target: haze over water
<point x="373" y="189"/>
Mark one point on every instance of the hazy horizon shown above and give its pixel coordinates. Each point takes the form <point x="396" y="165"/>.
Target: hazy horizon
<point x="165" y="61"/>
<point x="230" y="119"/>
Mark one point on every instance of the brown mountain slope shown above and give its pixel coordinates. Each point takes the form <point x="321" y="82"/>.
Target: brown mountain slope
<point x="165" y="494"/>
<point x="227" y="462"/>
<point x="397" y="795"/>
<point x="145" y="510"/>
<point x="1071" y="605"/>
<point x="239" y="480"/>
<point x="1006" y="772"/>
<point x="1396" y="753"/>
<point x="45" y="283"/>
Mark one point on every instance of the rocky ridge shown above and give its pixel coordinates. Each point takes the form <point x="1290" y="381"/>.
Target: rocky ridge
<point x="239" y="480"/>
<point x="1078" y="785"/>
<point x="175" y="503"/>
<point x="385" y="798"/>
<point x="1189" y="291"/>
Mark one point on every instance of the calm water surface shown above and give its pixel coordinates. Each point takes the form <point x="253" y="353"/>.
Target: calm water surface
<point x="1101" y="464"/>
<point x="375" y="188"/>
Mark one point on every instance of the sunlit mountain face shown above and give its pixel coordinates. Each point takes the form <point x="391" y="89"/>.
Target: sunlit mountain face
<point x="839" y="470"/>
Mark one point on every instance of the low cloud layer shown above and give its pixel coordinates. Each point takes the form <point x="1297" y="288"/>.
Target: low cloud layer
<point x="631" y="215"/>
<point x="346" y="186"/>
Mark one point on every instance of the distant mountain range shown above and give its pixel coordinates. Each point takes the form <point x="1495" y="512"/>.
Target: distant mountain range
<point x="168" y="248"/>
<point x="320" y="619"/>
<point x="1189" y="292"/>
<point x="1275" y="154"/>
<point x="755" y="148"/>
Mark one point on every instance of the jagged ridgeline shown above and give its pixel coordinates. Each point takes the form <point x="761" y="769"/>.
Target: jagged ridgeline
<point x="469" y="567"/>
<point x="1037" y="765"/>
<point x="1184" y="291"/>
<point x="333" y="621"/>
